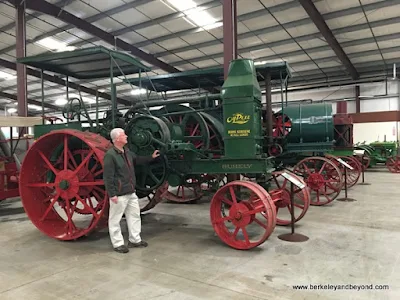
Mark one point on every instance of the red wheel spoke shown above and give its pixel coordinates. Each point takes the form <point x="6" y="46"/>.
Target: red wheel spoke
<point x="221" y="220"/>
<point x="94" y="168"/>
<point x="234" y="234"/>
<point x="84" y="162"/>
<point x="95" y="215"/>
<point x="227" y="201"/>
<point x="72" y="159"/>
<point x="233" y="196"/>
<point x="90" y="183"/>
<point x="98" y="173"/>
<point x="51" y="167"/>
<point x="41" y="185"/>
<point x="260" y="223"/>
<point x="323" y="167"/>
<point x="246" y="236"/>
<point x="51" y="205"/>
<point x="306" y="168"/>
<point x="98" y="189"/>
<point x="298" y="205"/>
<point x="195" y="129"/>
<point x="65" y="152"/>
<point x="70" y="224"/>
<point x="254" y="211"/>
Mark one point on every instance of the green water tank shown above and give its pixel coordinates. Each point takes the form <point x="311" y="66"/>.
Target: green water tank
<point x="309" y="123"/>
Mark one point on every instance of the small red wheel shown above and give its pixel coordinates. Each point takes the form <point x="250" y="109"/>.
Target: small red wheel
<point x="323" y="178"/>
<point x="282" y="125"/>
<point x="280" y="194"/>
<point x="242" y="206"/>
<point x="393" y="164"/>
<point x="275" y="150"/>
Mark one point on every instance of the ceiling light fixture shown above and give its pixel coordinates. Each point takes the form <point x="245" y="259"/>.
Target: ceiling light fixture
<point x="195" y="15"/>
<point x="53" y="44"/>
<point x="6" y="76"/>
<point x="61" y="101"/>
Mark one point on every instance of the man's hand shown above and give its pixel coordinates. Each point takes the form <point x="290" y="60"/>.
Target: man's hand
<point x="155" y="154"/>
<point x="114" y="199"/>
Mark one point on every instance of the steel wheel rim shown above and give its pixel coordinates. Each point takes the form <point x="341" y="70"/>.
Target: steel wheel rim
<point x="43" y="201"/>
<point x="320" y="183"/>
<point x="242" y="214"/>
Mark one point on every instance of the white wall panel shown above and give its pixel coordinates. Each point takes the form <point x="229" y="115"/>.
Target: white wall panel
<point x="372" y="132"/>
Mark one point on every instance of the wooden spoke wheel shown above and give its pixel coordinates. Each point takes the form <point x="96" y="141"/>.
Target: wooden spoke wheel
<point x="65" y="200"/>
<point x="323" y="178"/>
<point x="280" y="189"/>
<point x="243" y="220"/>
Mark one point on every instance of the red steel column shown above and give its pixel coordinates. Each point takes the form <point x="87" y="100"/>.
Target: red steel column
<point x="20" y="27"/>
<point x="230" y="33"/>
<point x="341" y="107"/>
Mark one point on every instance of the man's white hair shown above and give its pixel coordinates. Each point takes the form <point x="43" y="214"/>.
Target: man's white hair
<point x="115" y="132"/>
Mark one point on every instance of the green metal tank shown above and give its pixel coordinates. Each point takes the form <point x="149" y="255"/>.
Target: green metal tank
<point x="311" y="127"/>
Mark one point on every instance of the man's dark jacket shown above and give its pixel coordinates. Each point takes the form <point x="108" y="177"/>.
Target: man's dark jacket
<point x="119" y="171"/>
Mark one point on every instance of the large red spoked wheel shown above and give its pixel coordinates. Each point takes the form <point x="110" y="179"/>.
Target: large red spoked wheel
<point x="393" y="164"/>
<point x="60" y="172"/>
<point x="323" y="178"/>
<point x="352" y="175"/>
<point x="245" y="207"/>
<point x="280" y="194"/>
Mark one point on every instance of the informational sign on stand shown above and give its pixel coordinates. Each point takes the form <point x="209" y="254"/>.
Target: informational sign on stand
<point x="359" y="152"/>
<point x="293" y="180"/>
<point x="345" y="164"/>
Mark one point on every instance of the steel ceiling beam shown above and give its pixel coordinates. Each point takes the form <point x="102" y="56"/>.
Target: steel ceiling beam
<point x="30" y="101"/>
<point x="151" y="22"/>
<point x="59" y="13"/>
<point x="292" y="24"/>
<point x="90" y="19"/>
<point x="307" y="37"/>
<point x="319" y="21"/>
<point x="30" y="17"/>
<point x="35" y="73"/>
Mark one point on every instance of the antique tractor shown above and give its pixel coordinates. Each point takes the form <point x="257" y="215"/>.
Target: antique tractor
<point x="379" y="153"/>
<point x="310" y="139"/>
<point x="63" y="192"/>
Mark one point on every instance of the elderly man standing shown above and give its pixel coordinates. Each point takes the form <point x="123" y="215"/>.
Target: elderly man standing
<point x="120" y="181"/>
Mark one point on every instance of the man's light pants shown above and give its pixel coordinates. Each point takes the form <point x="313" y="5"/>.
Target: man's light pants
<point x="129" y="205"/>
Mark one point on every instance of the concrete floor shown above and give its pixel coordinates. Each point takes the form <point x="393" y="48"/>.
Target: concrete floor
<point x="350" y="243"/>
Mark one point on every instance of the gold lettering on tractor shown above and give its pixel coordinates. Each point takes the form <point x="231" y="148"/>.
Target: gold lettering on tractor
<point x="238" y="118"/>
<point x="239" y="132"/>
<point x="236" y="166"/>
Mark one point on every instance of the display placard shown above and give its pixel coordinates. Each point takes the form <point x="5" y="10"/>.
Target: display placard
<point x="293" y="180"/>
<point x="345" y="164"/>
